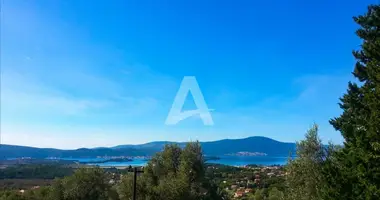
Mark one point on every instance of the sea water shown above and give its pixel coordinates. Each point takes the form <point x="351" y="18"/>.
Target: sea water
<point x="225" y="160"/>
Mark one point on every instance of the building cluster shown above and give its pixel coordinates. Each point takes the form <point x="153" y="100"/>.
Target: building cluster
<point x="246" y="185"/>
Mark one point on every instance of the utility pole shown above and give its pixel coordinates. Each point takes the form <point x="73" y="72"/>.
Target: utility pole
<point x="134" y="183"/>
<point x="135" y="171"/>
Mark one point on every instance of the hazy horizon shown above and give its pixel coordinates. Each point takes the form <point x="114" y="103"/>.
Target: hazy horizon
<point x="121" y="144"/>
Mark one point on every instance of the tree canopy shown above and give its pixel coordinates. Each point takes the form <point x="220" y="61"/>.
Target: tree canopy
<point x="358" y="164"/>
<point x="305" y="177"/>
<point x="174" y="173"/>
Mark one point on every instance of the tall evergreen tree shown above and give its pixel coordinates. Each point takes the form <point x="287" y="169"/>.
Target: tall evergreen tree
<point x="357" y="165"/>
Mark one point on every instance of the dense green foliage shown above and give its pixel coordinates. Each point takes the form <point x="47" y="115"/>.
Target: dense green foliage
<point x="175" y="173"/>
<point x="13" y="184"/>
<point x="305" y="172"/>
<point x="275" y="194"/>
<point x="308" y="173"/>
<point x="259" y="195"/>
<point x="357" y="165"/>
<point x="353" y="171"/>
<point x="84" y="184"/>
<point x="35" y="172"/>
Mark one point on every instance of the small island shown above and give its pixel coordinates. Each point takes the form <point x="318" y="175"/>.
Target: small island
<point x="246" y="153"/>
<point x="107" y="160"/>
<point x="209" y="158"/>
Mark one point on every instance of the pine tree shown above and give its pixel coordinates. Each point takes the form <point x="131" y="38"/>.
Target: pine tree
<point x="358" y="163"/>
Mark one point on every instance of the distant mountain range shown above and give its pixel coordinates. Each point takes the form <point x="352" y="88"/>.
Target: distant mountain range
<point x="216" y="148"/>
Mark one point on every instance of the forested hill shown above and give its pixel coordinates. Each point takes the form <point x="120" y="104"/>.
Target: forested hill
<point x="221" y="147"/>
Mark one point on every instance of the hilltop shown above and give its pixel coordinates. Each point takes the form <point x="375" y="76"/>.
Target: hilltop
<point x="221" y="147"/>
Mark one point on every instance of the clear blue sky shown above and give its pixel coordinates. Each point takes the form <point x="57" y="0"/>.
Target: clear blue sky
<point x="102" y="73"/>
